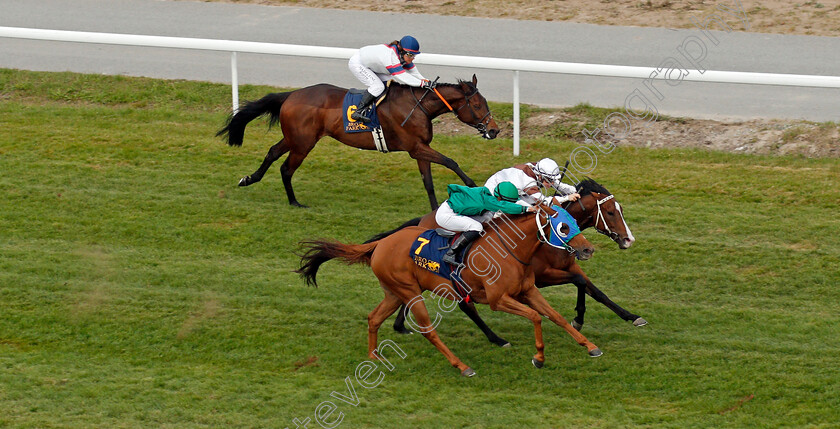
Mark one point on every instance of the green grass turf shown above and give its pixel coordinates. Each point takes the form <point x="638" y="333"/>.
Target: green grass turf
<point x="140" y="287"/>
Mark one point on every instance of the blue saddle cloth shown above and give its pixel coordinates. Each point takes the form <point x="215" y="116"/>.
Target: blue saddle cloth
<point x="427" y="251"/>
<point x="351" y="100"/>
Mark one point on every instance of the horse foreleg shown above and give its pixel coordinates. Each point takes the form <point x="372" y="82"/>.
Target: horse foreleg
<point x="470" y="310"/>
<point x="425" y="153"/>
<point x="535" y="300"/>
<point x="617" y="309"/>
<point x="426" y="173"/>
<point x="273" y="154"/>
<point x="385" y="308"/>
<point x="594" y="292"/>
<point x="580" y="307"/>
<point x="424" y="322"/>
<point x="509" y="305"/>
<point x="553" y="276"/>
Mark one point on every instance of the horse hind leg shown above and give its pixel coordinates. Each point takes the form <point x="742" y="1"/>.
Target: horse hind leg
<point x="382" y="311"/>
<point x="468" y="309"/>
<point x="273" y="154"/>
<point x="287" y="170"/>
<point x="424" y="322"/>
<point x="399" y="322"/>
<point x="300" y="145"/>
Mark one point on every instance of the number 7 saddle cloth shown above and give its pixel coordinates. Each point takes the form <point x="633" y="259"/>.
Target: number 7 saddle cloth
<point x="427" y="252"/>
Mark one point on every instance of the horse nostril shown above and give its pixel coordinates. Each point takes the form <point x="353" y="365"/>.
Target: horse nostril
<point x="586" y="253"/>
<point x="493" y="133"/>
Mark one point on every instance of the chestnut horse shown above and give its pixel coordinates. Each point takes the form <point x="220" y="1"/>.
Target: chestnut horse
<point x="596" y="208"/>
<point x="501" y="278"/>
<point x="308" y="114"/>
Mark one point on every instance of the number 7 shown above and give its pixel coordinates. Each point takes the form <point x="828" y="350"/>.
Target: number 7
<point x="422" y="240"/>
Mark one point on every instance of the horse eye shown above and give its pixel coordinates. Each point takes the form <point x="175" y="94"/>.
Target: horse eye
<point x="611" y="213"/>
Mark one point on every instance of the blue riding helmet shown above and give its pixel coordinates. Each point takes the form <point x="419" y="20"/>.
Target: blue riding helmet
<point x="557" y="238"/>
<point x="410" y="45"/>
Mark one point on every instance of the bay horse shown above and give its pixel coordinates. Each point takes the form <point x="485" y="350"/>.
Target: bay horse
<point x="308" y="114"/>
<point x="499" y="278"/>
<point x="596" y="208"/>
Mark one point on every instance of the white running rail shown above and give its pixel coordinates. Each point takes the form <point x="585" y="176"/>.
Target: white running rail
<point x="514" y="65"/>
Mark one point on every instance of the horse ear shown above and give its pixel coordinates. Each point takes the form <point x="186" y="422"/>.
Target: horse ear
<point x="475" y="80"/>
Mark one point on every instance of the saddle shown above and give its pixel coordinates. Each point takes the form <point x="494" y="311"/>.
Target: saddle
<point x="350" y="104"/>
<point x="427" y="252"/>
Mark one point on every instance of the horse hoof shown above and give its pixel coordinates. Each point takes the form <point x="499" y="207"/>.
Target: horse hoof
<point x="244" y="181"/>
<point x="595" y="352"/>
<point x="404" y="331"/>
<point x="500" y="342"/>
<point x="537" y="364"/>
<point x="639" y="322"/>
<point x="506" y="345"/>
<point x="576" y="325"/>
<point x="297" y="204"/>
<point x="468" y="372"/>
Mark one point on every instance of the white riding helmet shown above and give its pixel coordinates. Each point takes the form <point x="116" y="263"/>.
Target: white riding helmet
<point x="548" y="170"/>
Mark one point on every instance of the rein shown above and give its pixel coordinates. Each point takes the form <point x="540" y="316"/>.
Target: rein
<point x="441" y="98"/>
<point x="420" y="100"/>
<point x="508" y="250"/>
<point x="481" y="124"/>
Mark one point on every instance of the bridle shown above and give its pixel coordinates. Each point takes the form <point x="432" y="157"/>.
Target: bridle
<point x="600" y="217"/>
<point x="480" y="123"/>
<point x="541" y="237"/>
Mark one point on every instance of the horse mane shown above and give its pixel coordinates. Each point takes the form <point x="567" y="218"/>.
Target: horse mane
<point x="457" y="85"/>
<point x="589" y="185"/>
<point x="468" y="83"/>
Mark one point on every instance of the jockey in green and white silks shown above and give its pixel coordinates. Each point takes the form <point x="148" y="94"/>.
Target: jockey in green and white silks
<point x="467" y="208"/>
<point x="545" y="173"/>
<point x="376" y="64"/>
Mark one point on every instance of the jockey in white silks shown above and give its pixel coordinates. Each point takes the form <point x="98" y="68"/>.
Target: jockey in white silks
<point x="529" y="177"/>
<point x="376" y="64"/>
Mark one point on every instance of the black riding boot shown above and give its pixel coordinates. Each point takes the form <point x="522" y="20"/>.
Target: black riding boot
<point x="362" y="112"/>
<point x="459" y="245"/>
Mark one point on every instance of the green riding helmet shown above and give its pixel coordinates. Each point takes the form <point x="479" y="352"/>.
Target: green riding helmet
<point x="507" y="192"/>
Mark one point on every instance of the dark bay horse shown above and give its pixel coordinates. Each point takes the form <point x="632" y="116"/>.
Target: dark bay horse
<point x="308" y="114"/>
<point x="596" y="208"/>
<point x="499" y="278"/>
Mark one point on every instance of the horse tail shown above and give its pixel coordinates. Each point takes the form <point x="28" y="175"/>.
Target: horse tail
<point x="320" y="251"/>
<point x="234" y="128"/>
<point x="381" y="235"/>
